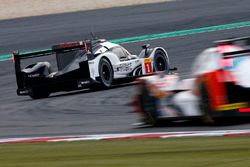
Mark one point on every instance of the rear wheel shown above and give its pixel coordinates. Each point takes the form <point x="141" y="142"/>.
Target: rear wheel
<point x="106" y="73"/>
<point x="161" y="61"/>
<point x="205" y="106"/>
<point x="148" y="106"/>
<point x="39" y="93"/>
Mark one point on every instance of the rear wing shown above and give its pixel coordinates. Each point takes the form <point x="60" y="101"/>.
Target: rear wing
<point x="245" y="41"/>
<point x="240" y="53"/>
<point x="86" y="45"/>
<point x="61" y="48"/>
<point x="242" y="42"/>
<point x="62" y="59"/>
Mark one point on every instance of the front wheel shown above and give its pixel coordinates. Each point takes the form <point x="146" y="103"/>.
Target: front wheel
<point x="161" y="61"/>
<point x="106" y="73"/>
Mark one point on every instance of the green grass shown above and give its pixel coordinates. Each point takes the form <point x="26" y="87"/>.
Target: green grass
<point x="195" y="152"/>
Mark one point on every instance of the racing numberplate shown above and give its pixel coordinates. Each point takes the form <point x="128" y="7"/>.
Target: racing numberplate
<point x="148" y="66"/>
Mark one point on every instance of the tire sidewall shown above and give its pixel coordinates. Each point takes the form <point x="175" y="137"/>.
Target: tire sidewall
<point x="148" y="106"/>
<point x="160" y="54"/>
<point x="105" y="83"/>
<point x="205" y="105"/>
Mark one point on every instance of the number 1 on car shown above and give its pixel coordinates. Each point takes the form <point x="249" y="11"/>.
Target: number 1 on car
<point x="148" y="65"/>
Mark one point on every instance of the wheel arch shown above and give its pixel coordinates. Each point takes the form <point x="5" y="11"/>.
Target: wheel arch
<point x="109" y="57"/>
<point x="98" y="78"/>
<point x="105" y="57"/>
<point x="110" y="62"/>
<point x="161" y="49"/>
<point x="165" y="54"/>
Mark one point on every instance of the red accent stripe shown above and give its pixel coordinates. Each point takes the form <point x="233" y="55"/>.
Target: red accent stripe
<point x="144" y="136"/>
<point x="68" y="45"/>
<point x="225" y="48"/>
<point x="136" y="137"/>
<point x="39" y="140"/>
<point x="85" y="47"/>
<point x="216" y="88"/>
<point x="237" y="134"/>
<point x="13" y="59"/>
<point x="244" y="110"/>
<point x="226" y="62"/>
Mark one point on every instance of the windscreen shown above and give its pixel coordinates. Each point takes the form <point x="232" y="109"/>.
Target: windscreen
<point x="239" y="67"/>
<point x="232" y="63"/>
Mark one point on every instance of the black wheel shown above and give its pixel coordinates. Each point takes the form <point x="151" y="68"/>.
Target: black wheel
<point x="106" y="73"/>
<point x="148" y="106"/>
<point x="39" y="93"/>
<point x="205" y="105"/>
<point x="160" y="61"/>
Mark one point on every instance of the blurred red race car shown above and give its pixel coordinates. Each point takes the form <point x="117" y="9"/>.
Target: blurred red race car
<point x="219" y="87"/>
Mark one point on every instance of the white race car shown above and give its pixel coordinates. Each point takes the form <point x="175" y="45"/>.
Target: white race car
<point x="219" y="88"/>
<point x="85" y="64"/>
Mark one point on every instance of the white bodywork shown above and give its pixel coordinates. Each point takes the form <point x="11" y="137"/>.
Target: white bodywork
<point x="131" y="65"/>
<point x="162" y="88"/>
<point x="185" y="100"/>
<point x="243" y="73"/>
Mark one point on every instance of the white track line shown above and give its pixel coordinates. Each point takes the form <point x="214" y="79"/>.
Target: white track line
<point x="162" y="135"/>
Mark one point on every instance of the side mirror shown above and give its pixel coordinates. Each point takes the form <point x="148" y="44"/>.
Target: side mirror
<point x="90" y="56"/>
<point x="146" y="46"/>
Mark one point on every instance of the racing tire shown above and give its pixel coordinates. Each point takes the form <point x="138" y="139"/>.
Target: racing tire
<point x="148" y="107"/>
<point x="106" y="73"/>
<point x="161" y="62"/>
<point x="205" y="106"/>
<point x="39" y="93"/>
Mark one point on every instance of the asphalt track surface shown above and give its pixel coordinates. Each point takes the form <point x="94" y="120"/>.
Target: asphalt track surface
<point x="107" y="111"/>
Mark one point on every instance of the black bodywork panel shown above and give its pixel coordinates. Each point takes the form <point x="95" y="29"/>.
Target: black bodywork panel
<point x="72" y="64"/>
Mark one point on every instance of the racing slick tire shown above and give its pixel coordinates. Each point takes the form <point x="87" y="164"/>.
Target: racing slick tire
<point x="205" y="106"/>
<point x="161" y="62"/>
<point x="106" y="73"/>
<point x="39" y="93"/>
<point x="148" y="107"/>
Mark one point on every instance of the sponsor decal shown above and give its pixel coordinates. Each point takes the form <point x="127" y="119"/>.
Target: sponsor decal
<point x="125" y="67"/>
<point x="33" y="75"/>
<point x="83" y="83"/>
<point x="148" y="65"/>
<point x="232" y="106"/>
<point x="24" y="91"/>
